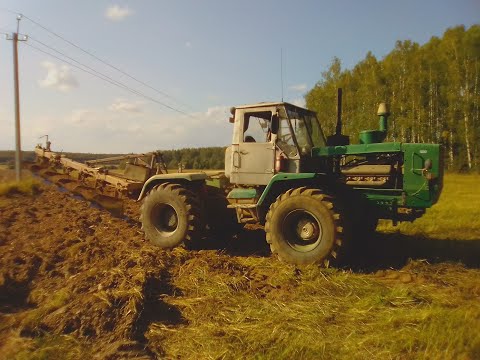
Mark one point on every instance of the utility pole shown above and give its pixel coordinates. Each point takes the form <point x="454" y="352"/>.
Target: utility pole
<point x="18" y="147"/>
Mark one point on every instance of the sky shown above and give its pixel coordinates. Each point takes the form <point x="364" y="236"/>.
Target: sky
<point x="183" y="64"/>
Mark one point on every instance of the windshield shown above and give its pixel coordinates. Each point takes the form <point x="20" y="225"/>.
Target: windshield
<point x="306" y="128"/>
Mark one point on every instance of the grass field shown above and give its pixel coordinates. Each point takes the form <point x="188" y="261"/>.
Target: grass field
<point x="414" y="293"/>
<point x="456" y="216"/>
<point x="386" y="307"/>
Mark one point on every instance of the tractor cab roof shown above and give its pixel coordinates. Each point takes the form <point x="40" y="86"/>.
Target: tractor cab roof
<point x="270" y="104"/>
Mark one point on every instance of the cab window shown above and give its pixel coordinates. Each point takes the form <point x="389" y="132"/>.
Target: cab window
<point x="285" y="139"/>
<point x="256" y="126"/>
<point x="306" y="128"/>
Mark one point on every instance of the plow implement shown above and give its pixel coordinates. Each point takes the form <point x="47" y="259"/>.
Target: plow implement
<point x="99" y="181"/>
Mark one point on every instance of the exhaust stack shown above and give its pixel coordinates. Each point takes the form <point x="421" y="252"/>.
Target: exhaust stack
<point x="338" y="138"/>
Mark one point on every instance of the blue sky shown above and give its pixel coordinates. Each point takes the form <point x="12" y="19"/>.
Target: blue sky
<point x="206" y="55"/>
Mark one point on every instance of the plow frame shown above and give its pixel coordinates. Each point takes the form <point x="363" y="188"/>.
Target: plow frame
<point x="101" y="179"/>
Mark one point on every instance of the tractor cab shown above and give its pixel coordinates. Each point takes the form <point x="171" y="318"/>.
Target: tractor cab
<point x="269" y="138"/>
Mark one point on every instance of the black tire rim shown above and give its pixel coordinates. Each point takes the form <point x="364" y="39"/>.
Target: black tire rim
<point x="164" y="218"/>
<point x="303" y="231"/>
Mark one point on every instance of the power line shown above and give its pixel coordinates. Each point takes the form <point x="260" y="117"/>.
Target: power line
<point x="97" y="58"/>
<point x="80" y="68"/>
<point x="106" y="78"/>
<point x="109" y="80"/>
<point x="96" y="73"/>
<point x="107" y="63"/>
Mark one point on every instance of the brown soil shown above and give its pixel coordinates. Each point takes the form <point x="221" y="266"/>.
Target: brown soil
<point x="102" y="265"/>
<point x="69" y="268"/>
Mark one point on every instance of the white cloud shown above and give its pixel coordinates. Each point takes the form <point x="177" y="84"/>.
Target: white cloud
<point x="299" y="102"/>
<point x="101" y="130"/>
<point x="82" y="116"/>
<point x="298" y="87"/>
<point x="97" y="120"/>
<point x="58" y="77"/>
<point x="125" y="106"/>
<point x="188" y="44"/>
<point x="208" y="128"/>
<point x="117" y="12"/>
<point x="218" y="114"/>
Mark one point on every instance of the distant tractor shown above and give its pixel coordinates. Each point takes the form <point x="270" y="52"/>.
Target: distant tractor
<point x="315" y="196"/>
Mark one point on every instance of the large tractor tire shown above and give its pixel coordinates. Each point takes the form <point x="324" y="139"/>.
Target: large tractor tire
<point x="170" y="215"/>
<point x="304" y="226"/>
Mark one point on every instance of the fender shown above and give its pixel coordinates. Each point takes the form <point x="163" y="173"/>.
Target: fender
<point x="161" y="178"/>
<point x="290" y="177"/>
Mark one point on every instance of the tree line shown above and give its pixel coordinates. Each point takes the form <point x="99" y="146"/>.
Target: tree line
<point x="189" y="158"/>
<point x="433" y="92"/>
<point x="195" y="158"/>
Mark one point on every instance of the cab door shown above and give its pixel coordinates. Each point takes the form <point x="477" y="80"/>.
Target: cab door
<point x="253" y="158"/>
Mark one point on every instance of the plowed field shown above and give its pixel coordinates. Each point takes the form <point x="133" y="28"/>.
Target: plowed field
<point x="77" y="282"/>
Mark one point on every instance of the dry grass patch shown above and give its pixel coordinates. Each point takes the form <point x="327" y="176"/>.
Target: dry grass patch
<point x="260" y="308"/>
<point x="455" y="216"/>
<point x="49" y="347"/>
<point x="29" y="186"/>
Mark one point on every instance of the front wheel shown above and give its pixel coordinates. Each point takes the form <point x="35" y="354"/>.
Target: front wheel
<point x="304" y="227"/>
<point x="170" y="214"/>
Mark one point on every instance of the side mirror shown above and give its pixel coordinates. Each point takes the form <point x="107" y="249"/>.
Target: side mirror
<point x="231" y="120"/>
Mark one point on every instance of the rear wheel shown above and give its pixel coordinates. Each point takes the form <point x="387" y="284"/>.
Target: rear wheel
<point x="170" y="214"/>
<point x="304" y="227"/>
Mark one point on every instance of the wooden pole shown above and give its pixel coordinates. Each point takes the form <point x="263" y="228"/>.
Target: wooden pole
<point x="18" y="146"/>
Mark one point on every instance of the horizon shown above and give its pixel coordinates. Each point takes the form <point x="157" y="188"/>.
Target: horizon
<point x="191" y="71"/>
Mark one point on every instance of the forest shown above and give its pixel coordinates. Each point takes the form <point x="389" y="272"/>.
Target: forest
<point x="432" y="90"/>
<point x="189" y="158"/>
<point x="195" y="158"/>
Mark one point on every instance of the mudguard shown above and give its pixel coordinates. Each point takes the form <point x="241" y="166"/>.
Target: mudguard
<point x="179" y="177"/>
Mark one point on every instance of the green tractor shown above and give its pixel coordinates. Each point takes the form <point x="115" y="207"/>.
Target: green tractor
<point x="315" y="196"/>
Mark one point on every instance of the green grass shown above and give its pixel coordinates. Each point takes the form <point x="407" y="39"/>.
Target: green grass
<point x="259" y="308"/>
<point x="51" y="347"/>
<point x="455" y="216"/>
<point x="263" y="309"/>
<point x="50" y="303"/>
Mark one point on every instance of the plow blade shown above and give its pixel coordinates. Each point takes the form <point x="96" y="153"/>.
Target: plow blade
<point x="112" y="204"/>
<point x="55" y="177"/>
